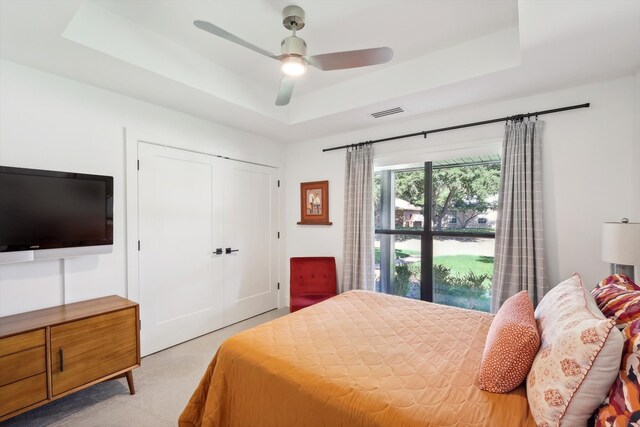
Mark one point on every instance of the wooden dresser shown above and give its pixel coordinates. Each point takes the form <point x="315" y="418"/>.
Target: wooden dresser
<point x="49" y="353"/>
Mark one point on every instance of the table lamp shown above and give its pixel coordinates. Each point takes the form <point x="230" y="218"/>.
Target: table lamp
<point x="621" y="246"/>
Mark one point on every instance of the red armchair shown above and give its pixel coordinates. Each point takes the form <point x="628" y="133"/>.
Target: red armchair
<point x="312" y="279"/>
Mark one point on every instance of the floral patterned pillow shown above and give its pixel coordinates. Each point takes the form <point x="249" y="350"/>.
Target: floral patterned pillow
<point x="618" y="298"/>
<point x="577" y="361"/>
<point x="622" y="406"/>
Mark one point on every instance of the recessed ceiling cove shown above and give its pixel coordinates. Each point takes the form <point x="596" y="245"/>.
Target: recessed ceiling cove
<point x="177" y="50"/>
<point x="446" y="54"/>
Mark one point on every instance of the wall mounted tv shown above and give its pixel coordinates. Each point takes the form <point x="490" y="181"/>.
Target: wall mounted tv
<point x="48" y="214"/>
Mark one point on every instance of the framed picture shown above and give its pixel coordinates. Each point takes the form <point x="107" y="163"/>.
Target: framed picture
<point x="314" y="203"/>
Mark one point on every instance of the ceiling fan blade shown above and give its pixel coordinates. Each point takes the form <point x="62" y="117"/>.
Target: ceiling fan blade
<point x="215" y="30"/>
<point x="351" y="59"/>
<point x="285" y="92"/>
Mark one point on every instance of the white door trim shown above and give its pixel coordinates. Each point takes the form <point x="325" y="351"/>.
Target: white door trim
<point x="131" y="213"/>
<point x="132" y="138"/>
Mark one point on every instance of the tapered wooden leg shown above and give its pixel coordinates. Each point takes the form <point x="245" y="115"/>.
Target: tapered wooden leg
<point x="132" y="388"/>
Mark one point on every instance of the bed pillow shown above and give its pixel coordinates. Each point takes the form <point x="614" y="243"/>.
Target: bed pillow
<point x="620" y="280"/>
<point x="618" y="298"/>
<point x="622" y="406"/>
<point x="578" y="359"/>
<point x="512" y="343"/>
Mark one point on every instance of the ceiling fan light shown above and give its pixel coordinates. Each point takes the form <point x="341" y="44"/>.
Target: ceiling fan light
<point x="293" y="66"/>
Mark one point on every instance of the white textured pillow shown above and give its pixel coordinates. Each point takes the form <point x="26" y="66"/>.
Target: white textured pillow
<point x="578" y="360"/>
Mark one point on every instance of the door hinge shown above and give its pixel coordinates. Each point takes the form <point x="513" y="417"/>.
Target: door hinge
<point x="278" y="285"/>
<point x="278" y="183"/>
<point x="278" y="234"/>
<point x="138" y="244"/>
<point x="140" y="324"/>
<point x="138" y="164"/>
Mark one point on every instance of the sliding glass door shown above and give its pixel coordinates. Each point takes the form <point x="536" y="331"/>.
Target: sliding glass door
<point x="443" y="253"/>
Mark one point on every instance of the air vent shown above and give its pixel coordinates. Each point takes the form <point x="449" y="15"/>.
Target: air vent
<point x="388" y="112"/>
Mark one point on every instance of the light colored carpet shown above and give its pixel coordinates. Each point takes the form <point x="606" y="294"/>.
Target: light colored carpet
<point x="164" y="383"/>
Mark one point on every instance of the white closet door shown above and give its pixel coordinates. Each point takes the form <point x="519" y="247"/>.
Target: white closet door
<point x="250" y="230"/>
<point x="180" y="226"/>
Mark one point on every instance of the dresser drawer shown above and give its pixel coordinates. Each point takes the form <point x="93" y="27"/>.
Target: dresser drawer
<point x="21" y="342"/>
<point x="23" y="364"/>
<point x="23" y="393"/>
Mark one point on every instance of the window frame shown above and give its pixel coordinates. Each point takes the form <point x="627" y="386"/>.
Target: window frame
<point x="427" y="233"/>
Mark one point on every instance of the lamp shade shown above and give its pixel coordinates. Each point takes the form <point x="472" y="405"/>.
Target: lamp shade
<point x="621" y="243"/>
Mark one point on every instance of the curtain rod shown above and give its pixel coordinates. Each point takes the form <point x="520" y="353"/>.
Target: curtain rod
<point x="424" y="133"/>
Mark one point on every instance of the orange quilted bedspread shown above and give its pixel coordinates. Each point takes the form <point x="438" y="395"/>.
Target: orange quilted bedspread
<point x="359" y="359"/>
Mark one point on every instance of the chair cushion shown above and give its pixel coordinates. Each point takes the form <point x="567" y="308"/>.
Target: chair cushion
<point x="302" y="301"/>
<point x="312" y="279"/>
<point x="313" y="275"/>
<point x="512" y="344"/>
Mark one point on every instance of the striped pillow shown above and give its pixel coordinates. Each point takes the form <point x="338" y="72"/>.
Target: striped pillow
<point x="618" y="298"/>
<point x="622" y="405"/>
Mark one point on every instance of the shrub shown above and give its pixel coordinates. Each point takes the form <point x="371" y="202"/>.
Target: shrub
<point x="441" y="274"/>
<point x="401" y="279"/>
<point x="471" y="288"/>
<point x="467" y="291"/>
<point x="414" y="268"/>
<point x="473" y="282"/>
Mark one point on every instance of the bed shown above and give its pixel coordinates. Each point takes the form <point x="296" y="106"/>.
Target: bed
<point x="358" y="359"/>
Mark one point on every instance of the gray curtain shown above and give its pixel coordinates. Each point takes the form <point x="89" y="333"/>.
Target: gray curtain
<point x="518" y="252"/>
<point x="358" y="270"/>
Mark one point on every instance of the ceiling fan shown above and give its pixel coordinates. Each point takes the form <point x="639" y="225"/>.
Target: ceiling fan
<point x="294" y="52"/>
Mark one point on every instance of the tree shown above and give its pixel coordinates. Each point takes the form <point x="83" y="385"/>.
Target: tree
<point x="470" y="190"/>
<point x="377" y="199"/>
<point x="410" y="187"/>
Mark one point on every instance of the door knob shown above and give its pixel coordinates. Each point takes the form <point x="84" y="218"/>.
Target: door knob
<point x="229" y="250"/>
<point x="218" y="251"/>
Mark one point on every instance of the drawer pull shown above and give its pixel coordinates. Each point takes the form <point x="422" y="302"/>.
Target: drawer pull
<point x="61" y="360"/>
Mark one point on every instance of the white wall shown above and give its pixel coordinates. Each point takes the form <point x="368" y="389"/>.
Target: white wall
<point x="635" y="177"/>
<point x="589" y="172"/>
<point x="590" y="169"/>
<point x="49" y="122"/>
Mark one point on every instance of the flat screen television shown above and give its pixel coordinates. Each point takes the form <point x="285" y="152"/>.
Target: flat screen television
<point x="48" y="214"/>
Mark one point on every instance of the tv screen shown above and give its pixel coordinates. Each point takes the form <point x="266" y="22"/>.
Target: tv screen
<point x="47" y="209"/>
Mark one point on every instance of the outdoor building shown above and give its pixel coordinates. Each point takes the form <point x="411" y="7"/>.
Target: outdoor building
<point x="407" y="215"/>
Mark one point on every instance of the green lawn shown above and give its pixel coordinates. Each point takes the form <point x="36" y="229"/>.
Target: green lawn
<point x="400" y="253"/>
<point x="462" y="264"/>
<point x="459" y="264"/>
